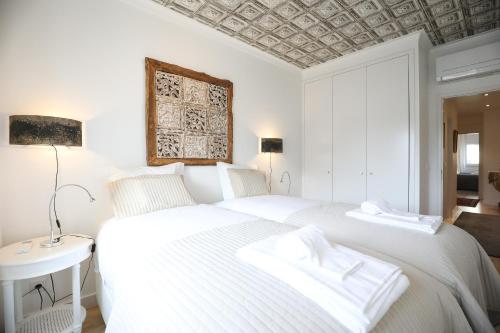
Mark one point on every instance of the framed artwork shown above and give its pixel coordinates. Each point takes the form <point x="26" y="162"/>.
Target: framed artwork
<point x="189" y="116"/>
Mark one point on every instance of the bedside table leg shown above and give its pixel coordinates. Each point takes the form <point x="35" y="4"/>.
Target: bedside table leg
<point x="18" y="299"/>
<point x="8" y="306"/>
<point x="77" y="311"/>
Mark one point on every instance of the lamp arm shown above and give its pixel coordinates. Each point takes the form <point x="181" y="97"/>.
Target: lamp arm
<point x="92" y="199"/>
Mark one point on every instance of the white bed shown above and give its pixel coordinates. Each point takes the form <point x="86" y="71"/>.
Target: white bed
<point x="451" y="256"/>
<point x="175" y="270"/>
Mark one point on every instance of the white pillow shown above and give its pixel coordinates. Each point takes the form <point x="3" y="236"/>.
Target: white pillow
<point x="225" y="182"/>
<point x="148" y="193"/>
<point x="169" y="169"/>
<point x="247" y="183"/>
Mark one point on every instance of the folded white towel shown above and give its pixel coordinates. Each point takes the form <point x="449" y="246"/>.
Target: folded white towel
<point x="426" y="223"/>
<point x="308" y="246"/>
<point x="358" y="302"/>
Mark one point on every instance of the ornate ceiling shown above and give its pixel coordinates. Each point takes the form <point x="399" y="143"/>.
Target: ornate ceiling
<point x="309" y="32"/>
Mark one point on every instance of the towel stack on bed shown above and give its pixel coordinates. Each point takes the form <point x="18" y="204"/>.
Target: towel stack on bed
<point x="355" y="289"/>
<point x="379" y="211"/>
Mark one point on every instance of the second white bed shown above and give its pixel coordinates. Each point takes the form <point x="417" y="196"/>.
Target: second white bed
<point x="452" y="256"/>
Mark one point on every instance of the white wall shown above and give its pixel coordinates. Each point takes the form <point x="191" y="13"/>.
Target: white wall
<point x="432" y="184"/>
<point x="85" y="60"/>
<point x="490" y="153"/>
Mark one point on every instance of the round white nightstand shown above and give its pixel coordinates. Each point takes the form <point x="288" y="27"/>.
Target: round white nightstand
<point x="19" y="261"/>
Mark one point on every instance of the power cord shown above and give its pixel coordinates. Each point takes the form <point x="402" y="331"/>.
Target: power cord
<point x="52" y="298"/>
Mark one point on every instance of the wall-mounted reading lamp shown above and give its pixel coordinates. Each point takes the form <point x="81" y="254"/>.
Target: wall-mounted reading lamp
<point x="50" y="131"/>
<point x="271" y="145"/>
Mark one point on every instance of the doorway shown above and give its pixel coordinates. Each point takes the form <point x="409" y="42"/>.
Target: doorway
<point x="471" y="151"/>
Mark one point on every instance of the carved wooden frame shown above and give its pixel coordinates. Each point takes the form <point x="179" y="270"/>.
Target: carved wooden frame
<point x="151" y="113"/>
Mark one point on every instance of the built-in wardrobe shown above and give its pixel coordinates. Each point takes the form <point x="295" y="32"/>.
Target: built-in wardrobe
<point x="361" y="129"/>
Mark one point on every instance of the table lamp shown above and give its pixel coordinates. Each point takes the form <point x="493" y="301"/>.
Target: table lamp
<point x="271" y="145"/>
<point x="50" y="131"/>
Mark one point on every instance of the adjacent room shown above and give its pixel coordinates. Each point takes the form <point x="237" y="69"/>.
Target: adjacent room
<point x="249" y="166"/>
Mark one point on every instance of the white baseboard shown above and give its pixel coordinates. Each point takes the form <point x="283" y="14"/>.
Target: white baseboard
<point x="89" y="301"/>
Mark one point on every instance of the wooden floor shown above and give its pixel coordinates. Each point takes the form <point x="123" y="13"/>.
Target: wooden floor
<point x="93" y="323"/>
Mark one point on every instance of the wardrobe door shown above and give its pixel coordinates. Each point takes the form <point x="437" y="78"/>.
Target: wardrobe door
<point x="317" y="180"/>
<point x="388" y="131"/>
<point x="349" y="137"/>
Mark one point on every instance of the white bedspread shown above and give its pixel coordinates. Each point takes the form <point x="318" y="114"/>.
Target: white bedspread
<point x="121" y="243"/>
<point x="452" y="256"/>
<point x="196" y="284"/>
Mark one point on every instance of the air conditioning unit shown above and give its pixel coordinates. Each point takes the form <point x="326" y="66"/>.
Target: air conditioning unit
<point x="481" y="60"/>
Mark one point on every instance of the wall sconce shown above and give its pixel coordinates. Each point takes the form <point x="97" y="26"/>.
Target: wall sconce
<point x="271" y="145"/>
<point x="51" y="131"/>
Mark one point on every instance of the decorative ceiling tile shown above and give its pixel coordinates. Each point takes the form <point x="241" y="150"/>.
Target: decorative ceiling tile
<point x="251" y="33"/>
<point x="483" y="18"/>
<point x="451" y="38"/>
<point x="285" y="31"/>
<point x="309" y="3"/>
<point x="376" y="19"/>
<point x="392" y="2"/>
<point x="307" y="60"/>
<point x="308" y="32"/>
<point x="269" y="22"/>
<point x="299" y="39"/>
<point x="192" y="5"/>
<point x="351" y="29"/>
<point x="233" y="23"/>
<point x="211" y="13"/>
<point x="341" y="19"/>
<point x="386" y="29"/>
<point x="295" y="54"/>
<point x="311" y="47"/>
<point x="323" y="53"/>
<point x="268" y="41"/>
<point x="482" y="7"/>
<point x="271" y="3"/>
<point x="305" y="21"/>
<point x="288" y="10"/>
<point x="404" y="8"/>
<point x="393" y="36"/>
<point x="362" y="38"/>
<point x="342" y="46"/>
<point x="451" y="29"/>
<point x="282" y="48"/>
<point x="350" y="3"/>
<point x="229" y="4"/>
<point x="249" y="11"/>
<point x="366" y="8"/>
<point x="318" y="30"/>
<point x="327" y="9"/>
<point x="330" y="38"/>
<point x="412" y="19"/>
<point x="443" y="7"/>
<point x="448" y="19"/>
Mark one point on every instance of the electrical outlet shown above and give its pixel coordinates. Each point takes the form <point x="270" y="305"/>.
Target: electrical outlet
<point x="38" y="280"/>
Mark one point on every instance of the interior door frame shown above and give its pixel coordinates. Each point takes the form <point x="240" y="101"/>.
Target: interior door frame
<point x="439" y="104"/>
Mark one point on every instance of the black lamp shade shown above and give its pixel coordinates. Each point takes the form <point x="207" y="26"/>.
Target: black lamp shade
<point x="44" y="130"/>
<point x="271" y="145"/>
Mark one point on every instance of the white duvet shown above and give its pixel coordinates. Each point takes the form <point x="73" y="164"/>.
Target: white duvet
<point x="176" y="271"/>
